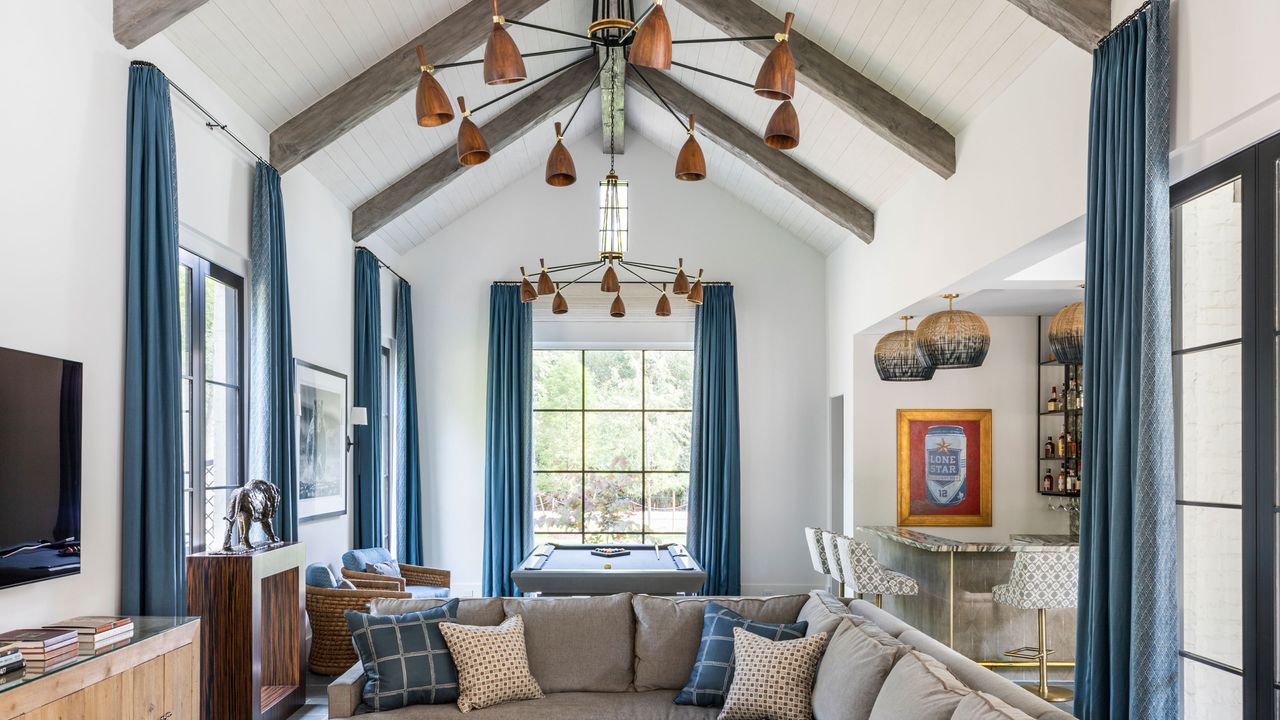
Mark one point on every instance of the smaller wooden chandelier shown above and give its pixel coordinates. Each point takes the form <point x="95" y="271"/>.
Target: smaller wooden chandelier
<point x="953" y="339"/>
<point x="897" y="359"/>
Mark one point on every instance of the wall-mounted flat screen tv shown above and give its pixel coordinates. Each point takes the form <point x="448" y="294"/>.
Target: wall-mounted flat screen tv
<point x="40" y="425"/>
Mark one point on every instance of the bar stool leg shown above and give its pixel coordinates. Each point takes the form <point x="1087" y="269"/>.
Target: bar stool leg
<point x="879" y="600"/>
<point x="1040" y="653"/>
<point x="1044" y="656"/>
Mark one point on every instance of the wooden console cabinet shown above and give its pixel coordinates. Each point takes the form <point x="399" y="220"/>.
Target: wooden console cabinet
<point x="252" y="607"/>
<point x="155" y="677"/>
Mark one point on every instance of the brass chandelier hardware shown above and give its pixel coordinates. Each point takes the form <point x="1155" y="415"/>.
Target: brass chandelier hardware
<point x="952" y="339"/>
<point x="644" y="42"/>
<point x="896" y="357"/>
<point x="1066" y="334"/>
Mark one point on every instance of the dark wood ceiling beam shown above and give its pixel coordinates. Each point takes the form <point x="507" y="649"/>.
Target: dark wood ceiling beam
<point x="386" y="81"/>
<point x="881" y="111"/>
<point x="1083" y="22"/>
<point x="510" y="125"/>
<point x="133" y="21"/>
<point x="747" y="145"/>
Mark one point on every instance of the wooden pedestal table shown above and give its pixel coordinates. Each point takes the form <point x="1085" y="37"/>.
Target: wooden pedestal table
<point x="252" y="605"/>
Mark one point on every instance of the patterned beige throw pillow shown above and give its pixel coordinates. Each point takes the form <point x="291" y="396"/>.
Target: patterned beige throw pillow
<point x="773" y="678"/>
<point x="493" y="666"/>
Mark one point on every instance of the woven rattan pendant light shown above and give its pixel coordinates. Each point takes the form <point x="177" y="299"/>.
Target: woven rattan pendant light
<point x="953" y="339"/>
<point x="897" y="359"/>
<point x="1066" y="335"/>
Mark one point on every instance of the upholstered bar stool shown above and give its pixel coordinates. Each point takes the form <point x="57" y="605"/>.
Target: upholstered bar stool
<point x="833" y="559"/>
<point x="1040" y="580"/>
<point x="817" y="553"/>
<point x="869" y="577"/>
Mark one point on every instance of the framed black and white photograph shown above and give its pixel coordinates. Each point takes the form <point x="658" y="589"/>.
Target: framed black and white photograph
<point x="322" y="441"/>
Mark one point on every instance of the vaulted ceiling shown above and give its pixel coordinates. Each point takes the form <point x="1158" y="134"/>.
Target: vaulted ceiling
<point x="282" y="60"/>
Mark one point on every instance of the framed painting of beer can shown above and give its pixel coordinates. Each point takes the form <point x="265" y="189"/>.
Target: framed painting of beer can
<point x="944" y="468"/>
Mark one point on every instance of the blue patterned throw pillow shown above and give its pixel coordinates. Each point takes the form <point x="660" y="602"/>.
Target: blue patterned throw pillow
<point x="713" y="669"/>
<point x="405" y="658"/>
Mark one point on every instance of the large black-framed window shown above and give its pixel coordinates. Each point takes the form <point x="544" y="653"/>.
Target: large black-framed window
<point x="611" y="439"/>
<point x="1225" y="374"/>
<point x="211" y="313"/>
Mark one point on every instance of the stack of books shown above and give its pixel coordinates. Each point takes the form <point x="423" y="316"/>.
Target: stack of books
<point x="11" y="659"/>
<point x="44" y="649"/>
<point x="97" y="633"/>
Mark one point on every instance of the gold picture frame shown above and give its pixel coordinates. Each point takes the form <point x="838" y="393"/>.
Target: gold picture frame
<point x="940" y="483"/>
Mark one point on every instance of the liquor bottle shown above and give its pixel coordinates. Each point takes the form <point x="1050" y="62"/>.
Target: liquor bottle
<point x="1062" y="444"/>
<point x="1049" y="447"/>
<point x="1068" y="399"/>
<point x="1079" y="396"/>
<point x="1046" y="482"/>
<point x="1072" y="446"/>
<point x="1052" y="405"/>
<point x="1071" y="480"/>
<point x="1062" y="481"/>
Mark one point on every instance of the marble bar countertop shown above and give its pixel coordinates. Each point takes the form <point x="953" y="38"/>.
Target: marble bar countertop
<point x="933" y="543"/>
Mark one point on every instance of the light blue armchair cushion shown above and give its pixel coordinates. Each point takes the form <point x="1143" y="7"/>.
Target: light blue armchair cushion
<point x="319" y="575"/>
<point x="425" y="592"/>
<point x="359" y="559"/>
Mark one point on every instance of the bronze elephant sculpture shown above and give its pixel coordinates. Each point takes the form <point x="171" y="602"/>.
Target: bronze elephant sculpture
<point x="254" y="502"/>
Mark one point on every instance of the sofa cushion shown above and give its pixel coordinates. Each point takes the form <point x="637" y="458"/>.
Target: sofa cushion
<point x="493" y="665"/>
<point x="471" y="611"/>
<point x="321" y="576"/>
<point x="921" y="686"/>
<point x="821" y="616"/>
<point x="668" y="632"/>
<point x="359" y="559"/>
<point x="578" y="643"/>
<point x="772" y="679"/>
<point x="405" y="659"/>
<point x="652" y="705"/>
<point x="981" y="706"/>
<point x="851" y="674"/>
<point x="713" y="668"/>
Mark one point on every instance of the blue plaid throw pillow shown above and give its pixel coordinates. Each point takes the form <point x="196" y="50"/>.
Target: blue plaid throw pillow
<point x="405" y="658"/>
<point x="713" y="670"/>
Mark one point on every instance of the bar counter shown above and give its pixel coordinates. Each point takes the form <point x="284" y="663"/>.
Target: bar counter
<point x="954" y="604"/>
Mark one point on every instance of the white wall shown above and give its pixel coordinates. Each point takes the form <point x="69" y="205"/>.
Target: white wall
<point x="779" y="296"/>
<point x="62" y="252"/>
<point x="1005" y="384"/>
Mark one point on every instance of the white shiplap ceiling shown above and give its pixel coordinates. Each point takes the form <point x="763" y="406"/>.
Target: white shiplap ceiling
<point x="946" y="58"/>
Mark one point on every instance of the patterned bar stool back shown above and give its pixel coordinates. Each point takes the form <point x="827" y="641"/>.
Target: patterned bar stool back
<point x="1041" y="580"/>
<point x="833" y="557"/>
<point x="817" y="552"/>
<point x="867" y="576"/>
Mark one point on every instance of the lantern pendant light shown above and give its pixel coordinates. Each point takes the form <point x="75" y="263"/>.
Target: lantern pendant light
<point x="545" y="286"/>
<point x="664" y="303"/>
<point x="472" y="148"/>
<point x="695" y="292"/>
<point x="502" y="62"/>
<point x="652" y="44"/>
<point x="527" y="293"/>
<point x="690" y="163"/>
<point x="434" y="108"/>
<point x="680" y="285"/>
<point x="560" y="169"/>
<point x="559" y="305"/>
<point x="777" y="77"/>
<point x="1066" y="335"/>
<point x="783" y="130"/>
<point x="896" y="357"/>
<point x="618" y="309"/>
<point x="953" y="339"/>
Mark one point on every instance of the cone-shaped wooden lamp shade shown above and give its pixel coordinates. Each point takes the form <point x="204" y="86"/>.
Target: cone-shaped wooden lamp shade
<point x="609" y="283"/>
<point x="664" y="304"/>
<point x="559" y="305"/>
<point x="472" y="148"/>
<point x="681" y="284"/>
<point x="690" y="164"/>
<point x="560" y="170"/>
<point x="695" y="292"/>
<point x="617" y="309"/>
<point x="502" y="62"/>
<point x="527" y="293"/>
<point x="783" y="130"/>
<point x="652" y="45"/>
<point x="777" y="77"/>
<point x="434" y="108"/>
<point x="545" y="286"/>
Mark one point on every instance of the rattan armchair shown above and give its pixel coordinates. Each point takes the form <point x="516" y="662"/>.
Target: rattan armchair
<point x="331" y="649"/>
<point x="411" y="575"/>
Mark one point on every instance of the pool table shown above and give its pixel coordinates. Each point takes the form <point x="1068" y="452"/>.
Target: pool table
<point x="554" y="569"/>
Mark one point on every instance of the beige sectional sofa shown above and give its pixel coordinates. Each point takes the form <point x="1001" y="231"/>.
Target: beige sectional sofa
<point x="626" y="656"/>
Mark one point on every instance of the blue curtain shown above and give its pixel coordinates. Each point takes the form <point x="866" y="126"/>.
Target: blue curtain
<point x="366" y="392"/>
<point x="152" y="576"/>
<point x="271" y="417"/>
<point x="408" y="465"/>
<point x="1127" y="620"/>
<point x="508" y="471"/>
<point x="715" y="471"/>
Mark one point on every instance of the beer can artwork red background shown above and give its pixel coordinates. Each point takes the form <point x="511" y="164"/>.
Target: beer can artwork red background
<point x="944" y="468"/>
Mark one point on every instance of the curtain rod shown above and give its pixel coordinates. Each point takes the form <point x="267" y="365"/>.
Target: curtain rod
<point x="1128" y="19"/>
<point x="379" y="261"/>
<point x="213" y="123"/>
